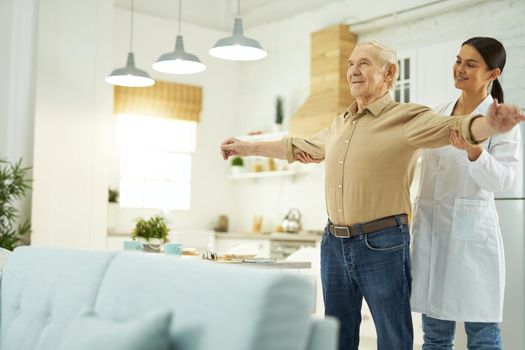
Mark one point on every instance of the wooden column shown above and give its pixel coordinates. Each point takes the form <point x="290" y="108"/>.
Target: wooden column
<point x="329" y="90"/>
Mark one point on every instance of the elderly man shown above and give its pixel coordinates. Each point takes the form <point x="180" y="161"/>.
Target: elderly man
<point x="370" y="152"/>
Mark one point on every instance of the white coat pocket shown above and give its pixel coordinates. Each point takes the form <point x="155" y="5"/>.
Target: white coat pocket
<point x="472" y="220"/>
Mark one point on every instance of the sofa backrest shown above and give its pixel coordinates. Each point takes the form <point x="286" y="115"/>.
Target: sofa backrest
<point x="42" y="290"/>
<point x="214" y="306"/>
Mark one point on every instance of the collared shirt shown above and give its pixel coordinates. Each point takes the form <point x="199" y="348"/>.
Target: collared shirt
<point x="370" y="156"/>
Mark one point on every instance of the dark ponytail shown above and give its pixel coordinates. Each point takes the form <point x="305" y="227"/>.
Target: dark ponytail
<point x="494" y="55"/>
<point x="497" y="91"/>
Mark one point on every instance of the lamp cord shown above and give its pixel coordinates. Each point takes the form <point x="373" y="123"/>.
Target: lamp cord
<point x="131" y="28"/>
<point x="180" y="11"/>
<point x="238" y="8"/>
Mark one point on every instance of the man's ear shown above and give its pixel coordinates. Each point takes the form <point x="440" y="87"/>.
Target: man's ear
<point x="390" y="71"/>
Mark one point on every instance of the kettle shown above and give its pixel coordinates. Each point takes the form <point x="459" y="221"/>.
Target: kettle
<point x="292" y="221"/>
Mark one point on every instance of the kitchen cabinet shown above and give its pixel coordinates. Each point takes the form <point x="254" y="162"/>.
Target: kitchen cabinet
<point x="256" y="245"/>
<point x="276" y="244"/>
<point x="281" y="249"/>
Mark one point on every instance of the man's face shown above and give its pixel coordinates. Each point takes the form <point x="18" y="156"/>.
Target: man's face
<point x="366" y="73"/>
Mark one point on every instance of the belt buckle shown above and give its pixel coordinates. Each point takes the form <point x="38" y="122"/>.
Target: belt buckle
<point x="341" y="231"/>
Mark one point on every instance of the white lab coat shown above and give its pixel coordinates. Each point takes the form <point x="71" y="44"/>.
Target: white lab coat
<point x="458" y="264"/>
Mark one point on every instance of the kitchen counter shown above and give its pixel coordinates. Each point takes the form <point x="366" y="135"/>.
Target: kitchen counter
<point x="273" y="236"/>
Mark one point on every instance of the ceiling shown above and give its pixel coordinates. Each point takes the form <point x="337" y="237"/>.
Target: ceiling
<point x="220" y="14"/>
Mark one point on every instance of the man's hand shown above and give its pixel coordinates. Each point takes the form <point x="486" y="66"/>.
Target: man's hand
<point x="473" y="151"/>
<point x="500" y="118"/>
<point x="503" y="117"/>
<point x="306" y="158"/>
<point x="234" y="147"/>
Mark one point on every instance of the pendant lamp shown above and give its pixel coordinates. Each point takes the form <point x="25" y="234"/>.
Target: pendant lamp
<point x="179" y="61"/>
<point x="238" y="47"/>
<point x="130" y="75"/>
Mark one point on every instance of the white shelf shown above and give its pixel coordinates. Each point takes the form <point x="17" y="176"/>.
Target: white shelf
<point x="263" y="174"/>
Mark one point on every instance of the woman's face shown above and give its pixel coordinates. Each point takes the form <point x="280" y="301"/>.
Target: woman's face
<point x="470" y="70"/>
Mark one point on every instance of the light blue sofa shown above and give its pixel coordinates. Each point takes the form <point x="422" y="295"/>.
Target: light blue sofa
<point x="215" y="306"/>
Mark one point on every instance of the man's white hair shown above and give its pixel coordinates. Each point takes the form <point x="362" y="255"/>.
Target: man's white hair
<point x="388" y="56"/>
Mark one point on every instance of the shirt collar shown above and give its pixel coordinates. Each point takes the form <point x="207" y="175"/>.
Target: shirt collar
<point x="375" y="108"/>
<point x="483" y="106"/>
<point x="480" y="109"/>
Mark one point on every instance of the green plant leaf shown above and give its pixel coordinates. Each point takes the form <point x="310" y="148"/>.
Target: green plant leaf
<point x="14" y="183"/>
<point x="155" y="227"/>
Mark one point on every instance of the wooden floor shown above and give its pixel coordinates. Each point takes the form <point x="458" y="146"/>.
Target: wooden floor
<point x="368" y="343"/>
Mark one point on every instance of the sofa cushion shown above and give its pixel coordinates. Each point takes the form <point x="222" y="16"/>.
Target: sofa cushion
<point x="89" y="331"/>
<point x="42" y="290"/>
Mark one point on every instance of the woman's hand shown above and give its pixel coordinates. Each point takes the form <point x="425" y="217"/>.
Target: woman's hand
<point x="473" y="151"/>
<point x="305" y="158"/>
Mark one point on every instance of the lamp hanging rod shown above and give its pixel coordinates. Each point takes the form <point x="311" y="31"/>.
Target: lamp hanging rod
<point x="180" y="12"/>
<point x="131" y="28"/>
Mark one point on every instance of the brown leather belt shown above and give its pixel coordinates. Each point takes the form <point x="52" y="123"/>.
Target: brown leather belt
<point x="367" y="227"/>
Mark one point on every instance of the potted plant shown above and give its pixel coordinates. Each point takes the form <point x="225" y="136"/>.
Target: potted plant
<point x="113" y="196"/>
<point x="153" y="232"/>
<point x="237" y="165"/>
<point x="13" y="186"/>
<point x="279" y="114"/>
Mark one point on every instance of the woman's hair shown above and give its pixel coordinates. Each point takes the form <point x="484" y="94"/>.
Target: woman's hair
<point x="494" y="55"/>
<point x="387" y="55"/>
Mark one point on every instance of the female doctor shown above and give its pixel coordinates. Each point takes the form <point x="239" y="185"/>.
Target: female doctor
<point x="458" y="262"/>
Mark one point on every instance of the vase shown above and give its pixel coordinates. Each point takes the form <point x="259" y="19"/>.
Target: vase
<point x="237" y="169"/>
<point x="152" y="245"/>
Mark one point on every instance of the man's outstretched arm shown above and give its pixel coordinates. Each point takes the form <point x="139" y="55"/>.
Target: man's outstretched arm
<point x="236" y="147"/>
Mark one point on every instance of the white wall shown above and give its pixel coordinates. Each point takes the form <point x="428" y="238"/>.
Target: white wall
<point x="17" y="30"/>
<point x="80" y="42"/>
<point x="71" y="118"/>
<point x="211" y="193"/>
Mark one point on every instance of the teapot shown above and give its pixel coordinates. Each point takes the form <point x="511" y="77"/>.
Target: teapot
<point x="292" y="221"/>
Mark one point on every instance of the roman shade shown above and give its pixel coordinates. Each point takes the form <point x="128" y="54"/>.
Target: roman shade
<point x="164" y="99"/>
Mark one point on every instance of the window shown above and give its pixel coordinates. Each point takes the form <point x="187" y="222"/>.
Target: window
<point x="155" y="161"/>
<point x="403" y="83"/>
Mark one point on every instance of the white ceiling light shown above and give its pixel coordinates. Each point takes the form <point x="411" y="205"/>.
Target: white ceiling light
<point x="179" y="61"/>
<point x="130" y="75"/>
<point x="238" y="47"/>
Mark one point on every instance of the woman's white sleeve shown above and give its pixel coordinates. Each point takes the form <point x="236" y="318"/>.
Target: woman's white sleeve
<point x="495" y="169"/>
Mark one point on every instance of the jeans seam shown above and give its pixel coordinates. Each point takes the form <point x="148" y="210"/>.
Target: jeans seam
<point x="344" y="258"/>
<point x="404" y="294"/>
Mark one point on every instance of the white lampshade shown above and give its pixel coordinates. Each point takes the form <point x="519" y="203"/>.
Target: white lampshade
<point x="129" y="75"/>
<point x="179" y="61"/>
<point x="238" y="47"/>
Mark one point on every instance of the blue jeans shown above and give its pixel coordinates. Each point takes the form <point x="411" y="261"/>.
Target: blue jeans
<point x="375" y="266"/>
<point x="439" y="334"/>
